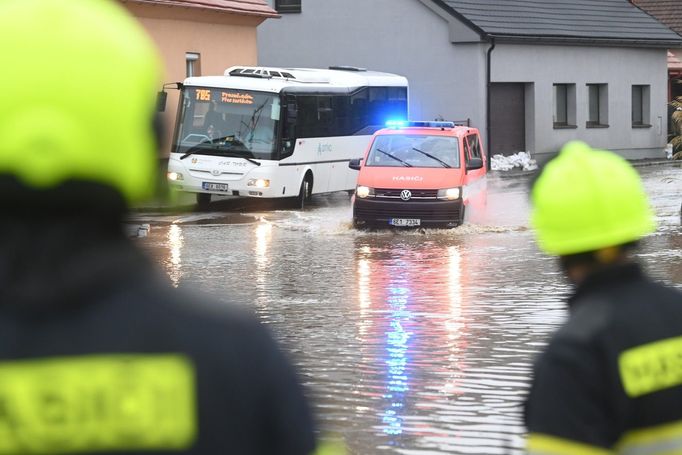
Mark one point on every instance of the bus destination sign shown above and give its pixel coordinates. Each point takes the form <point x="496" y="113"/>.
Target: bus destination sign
<point x="229" y="97"/>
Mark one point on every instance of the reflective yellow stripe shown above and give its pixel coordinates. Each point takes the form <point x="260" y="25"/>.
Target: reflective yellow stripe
<point x="651" y="367"/>
<point x="660" y="440"/>
<point x="97" y="403"/>
<point x="542" y="444"/>
<point x="331" y="448"/>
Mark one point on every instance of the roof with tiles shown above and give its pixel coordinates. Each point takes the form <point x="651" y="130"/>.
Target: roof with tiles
<point x="246" y="7"/>
<point x="608" y="21"/>
<point x="667" y="11"/>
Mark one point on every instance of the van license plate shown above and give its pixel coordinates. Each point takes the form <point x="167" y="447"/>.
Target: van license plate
<point x="405" y="222"/>
<point x="214" y="186"/>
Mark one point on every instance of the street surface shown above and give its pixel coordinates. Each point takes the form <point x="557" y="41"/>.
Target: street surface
<point x="409" y="342"/>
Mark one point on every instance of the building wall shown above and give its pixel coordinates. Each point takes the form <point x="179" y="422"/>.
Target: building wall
<point x="396" y="36"/>
<point x="620" y="68"/>
<point x="448" y="80"/>
<point x="222" y="40"/>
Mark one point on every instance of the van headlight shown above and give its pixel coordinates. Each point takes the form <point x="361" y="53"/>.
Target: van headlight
<point x="174" y="176"/>
<point x="259" y="183"/>
<point x="364" y="191"/>
<point x="449" y="194"/>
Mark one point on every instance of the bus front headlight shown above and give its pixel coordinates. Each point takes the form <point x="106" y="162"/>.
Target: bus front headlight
<point x="259" y="183"/>
<point x="174" y="176"/>
<point x="364" y="191"/>
<point x="449" y="194"/>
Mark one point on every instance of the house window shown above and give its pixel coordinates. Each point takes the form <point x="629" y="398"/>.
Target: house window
<point x="641" y="106"/>
<point x="564" y="106"/>
<point x="193" y="64"/>
<point x="288" y="6"/>
<point x="598" y="106"/>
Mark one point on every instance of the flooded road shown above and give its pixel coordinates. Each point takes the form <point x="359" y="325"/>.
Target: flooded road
<point x="417" y="342"/>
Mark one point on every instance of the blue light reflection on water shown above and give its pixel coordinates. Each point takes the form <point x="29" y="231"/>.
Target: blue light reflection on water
<point x="397" y="345"/>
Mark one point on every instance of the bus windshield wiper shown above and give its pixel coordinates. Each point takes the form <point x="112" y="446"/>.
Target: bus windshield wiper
<point x="196" y="149"/>
<point x="200" y="147"/>
<point x="405" y="163"/>
<point x="432" y="157"/>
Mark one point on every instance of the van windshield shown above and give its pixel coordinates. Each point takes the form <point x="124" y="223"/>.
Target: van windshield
<point x="398" y="150"/>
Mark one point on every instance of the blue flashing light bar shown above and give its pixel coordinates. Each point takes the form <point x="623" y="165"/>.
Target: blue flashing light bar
<point x="396" y="123"/>
<point x="418" y="124"/>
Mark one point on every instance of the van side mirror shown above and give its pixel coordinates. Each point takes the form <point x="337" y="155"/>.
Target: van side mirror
<point x="474" y="163"/>
<point x="355" y="164"/>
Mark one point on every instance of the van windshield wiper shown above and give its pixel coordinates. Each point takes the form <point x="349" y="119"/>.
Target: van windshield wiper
<point x="405" y="163"/>
<point x="432" y="157"/>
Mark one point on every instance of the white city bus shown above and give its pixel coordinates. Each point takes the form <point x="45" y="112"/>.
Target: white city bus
<point x="276" y="133"/>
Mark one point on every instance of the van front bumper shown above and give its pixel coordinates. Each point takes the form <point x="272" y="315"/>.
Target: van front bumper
<point x="371" y="212"/>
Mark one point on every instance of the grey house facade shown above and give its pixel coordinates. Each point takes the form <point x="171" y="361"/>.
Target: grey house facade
<point x="530" y="74"/>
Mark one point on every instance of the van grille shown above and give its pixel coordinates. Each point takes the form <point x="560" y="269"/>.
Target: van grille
<point x="391" y="193"/>
<point x="441" y="211"/>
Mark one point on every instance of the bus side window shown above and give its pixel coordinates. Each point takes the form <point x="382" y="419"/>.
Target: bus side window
<point x="325" y="117"/>
<point x="342" y="120"/>
<point x="289" y="126"/>
<point x="359" y="110"/>
<point x="396" y="106"/>
<point x="378" y="100"/>
<point x="307" y="116"/>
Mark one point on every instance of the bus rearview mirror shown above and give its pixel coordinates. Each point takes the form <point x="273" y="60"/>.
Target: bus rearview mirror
<point x="161" y="98"/>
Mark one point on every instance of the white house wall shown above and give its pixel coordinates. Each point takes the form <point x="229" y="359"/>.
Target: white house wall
<point x="397" y="36"/>
<point x="620" y="68"/>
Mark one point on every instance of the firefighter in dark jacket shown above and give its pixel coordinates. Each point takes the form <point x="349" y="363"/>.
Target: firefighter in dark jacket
<point x="610" y="380"/>
<point x="98" y="353"/>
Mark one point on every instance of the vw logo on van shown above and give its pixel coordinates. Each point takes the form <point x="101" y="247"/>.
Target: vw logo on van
<point x="405" y="195"/>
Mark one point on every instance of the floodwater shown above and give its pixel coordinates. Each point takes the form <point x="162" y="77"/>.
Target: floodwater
<point x="408" y="342"/>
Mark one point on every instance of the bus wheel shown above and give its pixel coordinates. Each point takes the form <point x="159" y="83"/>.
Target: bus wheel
<point x="203" y="199"/>
<point x="306" y="191"/>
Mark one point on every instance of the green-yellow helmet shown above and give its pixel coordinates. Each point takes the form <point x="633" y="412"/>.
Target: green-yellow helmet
<point x="585" y="200"/>
<point x="78" y="95"/>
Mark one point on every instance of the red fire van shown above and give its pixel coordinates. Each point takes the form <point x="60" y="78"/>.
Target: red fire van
<point x="419" y="174"/>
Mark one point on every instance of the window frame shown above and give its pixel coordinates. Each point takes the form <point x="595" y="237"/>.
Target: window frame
<point x="192" y="64"/>
<point x="643" y="119"/>
<point x="597" y="105"/>
<point x="567" y="120"/>
<point x="288" y="6"/>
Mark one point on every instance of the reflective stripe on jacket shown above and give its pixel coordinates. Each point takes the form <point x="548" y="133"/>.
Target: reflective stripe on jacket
<point x="610" y="380"/>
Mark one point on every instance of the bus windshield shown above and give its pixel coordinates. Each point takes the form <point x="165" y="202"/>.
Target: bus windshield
<point x="227" y="122"/>
<point x="395" y="150"/>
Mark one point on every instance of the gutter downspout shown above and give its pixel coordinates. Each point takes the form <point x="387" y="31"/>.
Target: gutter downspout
<point x="488" y="101"/>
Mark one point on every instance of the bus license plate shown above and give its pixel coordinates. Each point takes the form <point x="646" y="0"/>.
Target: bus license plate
<point x="405" y="222"/>
<point x="214" y="186"/>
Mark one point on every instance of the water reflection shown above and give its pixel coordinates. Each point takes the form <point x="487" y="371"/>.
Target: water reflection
<point x="411" y="342"/>
<point x="263" y="237"/>
<point x="175" y="244"/>
<point x="397" y="346"/>
<point x="411" y="302"/>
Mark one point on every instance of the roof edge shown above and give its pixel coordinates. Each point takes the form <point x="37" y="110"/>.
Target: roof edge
<point x="607" y="41"/>
<point x="208" y="7"/>
<point x="459" y="16"/>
